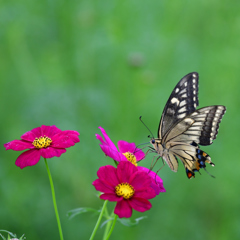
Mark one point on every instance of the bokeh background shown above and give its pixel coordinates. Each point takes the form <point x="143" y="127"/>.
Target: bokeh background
<point x="83" y="64"/>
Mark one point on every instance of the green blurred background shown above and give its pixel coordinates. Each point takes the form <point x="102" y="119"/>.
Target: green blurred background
<point x="83" y="64"/>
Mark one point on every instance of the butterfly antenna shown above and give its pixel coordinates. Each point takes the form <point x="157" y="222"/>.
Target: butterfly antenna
<point x="140" y="118"/>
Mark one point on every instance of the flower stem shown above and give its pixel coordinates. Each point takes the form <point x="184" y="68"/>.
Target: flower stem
<point x="113" y="225"/>
<point x="54" y="200"/>
<point x="108" y="225"/>
<point x="99" y="220"/>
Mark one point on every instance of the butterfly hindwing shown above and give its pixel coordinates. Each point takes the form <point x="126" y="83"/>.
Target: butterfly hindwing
<point x="171" y="161"/>
<point x="191" y="156"/>
<point x="182" y="101"/>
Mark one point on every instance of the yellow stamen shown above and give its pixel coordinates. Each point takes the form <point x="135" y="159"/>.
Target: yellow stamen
<point x="131" y="158"/>
<point x="42" y="142"/>
<point x="125" y="190"/>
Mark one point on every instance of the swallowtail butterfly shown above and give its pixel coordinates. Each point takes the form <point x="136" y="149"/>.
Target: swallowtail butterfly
<point x="182" y="128"/>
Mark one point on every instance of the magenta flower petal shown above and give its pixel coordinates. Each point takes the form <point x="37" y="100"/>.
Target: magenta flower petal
<point x="36" y="131"/>
<point x="157" y="182"/>
<point x="50" y="152"/>
<point x="110" y="197"/>
<point x="139" y="154"/>
<point x="40" y="132"/>
<point x="140" y="204"/>
<point x="131" y="147"/>
<point x="108" y="174"/>
<point x="123" y="209"/>
<point x="140" y="179"/>
<point x="107" y="139"/>
<point x="147" y="193"/>
<point x="142" y="185"/>
<point x="103" y="187"/>
<point x="28" y="136"/>
<point x="112" y="153"/>
<point x="98" y="137"/>
<point x="125" y="170"/>
<point x="72" y="133"/>
<point x="65" y="139"/>
<point x="28" y="158"/>
<point x="50" y="131"/>
<point x="18" y="145"/>
<point x="126" y="146"/>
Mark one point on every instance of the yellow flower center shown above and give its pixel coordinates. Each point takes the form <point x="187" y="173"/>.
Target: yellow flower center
<point x="131" y="158"/>
<point x="42" y="142"/>
<point x="124" y="190"/>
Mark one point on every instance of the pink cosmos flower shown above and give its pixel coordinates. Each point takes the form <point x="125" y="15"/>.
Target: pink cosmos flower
<point x="127" y="186"/>
<point x="128" y="151"/>
<point x="45" y="141"/>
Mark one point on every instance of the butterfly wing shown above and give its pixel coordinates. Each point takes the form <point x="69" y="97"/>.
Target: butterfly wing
<point x="182" y="127"/>
<point x="191" y="156"/>
<point x="199" y="127"/>
<point x="182" y="101"/>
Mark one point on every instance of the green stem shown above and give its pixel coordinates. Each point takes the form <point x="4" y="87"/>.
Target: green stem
<point x="113" y="225"/>
<point x="108" y="225"/>
<point x="99" y="220"/>
<point x="54" y="200"/>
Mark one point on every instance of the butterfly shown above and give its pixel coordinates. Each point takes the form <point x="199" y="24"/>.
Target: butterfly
<point x="183" y="128"/>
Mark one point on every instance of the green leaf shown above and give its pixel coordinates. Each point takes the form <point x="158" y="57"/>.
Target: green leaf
<point x="22" y="237"/>
<point x="72" y="213"/>
<point x="12" y="235"/>
<point x="105" y="222"/>
<point x="129" y="223"/>
<point x="2" y="236"/>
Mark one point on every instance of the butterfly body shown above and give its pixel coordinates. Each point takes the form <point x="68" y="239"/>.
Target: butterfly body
<point x="182" y="128"/>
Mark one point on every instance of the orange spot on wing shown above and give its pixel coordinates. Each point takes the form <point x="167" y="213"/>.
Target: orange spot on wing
<point x="197" y="165"/>
<point x="189" y="174"/>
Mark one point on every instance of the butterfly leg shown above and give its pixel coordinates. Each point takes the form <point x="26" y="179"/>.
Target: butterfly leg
<point x="150" y="150"/>
<point x="154" y="163"/>
<point x="159" y="170"/>
<point x="161" y="166"/>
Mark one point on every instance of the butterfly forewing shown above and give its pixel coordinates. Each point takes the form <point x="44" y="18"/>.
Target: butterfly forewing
<point x="207" y="120"/>
<point x="182" y="101"/>
<point x="200" y="126"/>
